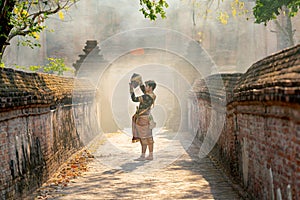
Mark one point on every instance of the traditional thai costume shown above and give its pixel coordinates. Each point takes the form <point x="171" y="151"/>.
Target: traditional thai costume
<point x="142" y="120"/>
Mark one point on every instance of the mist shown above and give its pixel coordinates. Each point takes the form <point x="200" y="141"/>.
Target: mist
<point x="234" y="46"/>
<point x="173" y="51"/>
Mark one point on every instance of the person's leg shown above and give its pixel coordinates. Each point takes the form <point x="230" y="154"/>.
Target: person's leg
<point x="151" y="148"/>
<point x="144" y="148"/>
<point x="150" y="145"/>
<point x="150" y="157"/>
<point x="143" y="155"/>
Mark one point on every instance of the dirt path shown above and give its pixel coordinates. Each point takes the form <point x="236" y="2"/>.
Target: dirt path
<point x="173" y="174"/>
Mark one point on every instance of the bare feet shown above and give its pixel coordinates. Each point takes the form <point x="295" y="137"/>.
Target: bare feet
<point x="149" y="158"/>
<point x="140" y="159"/>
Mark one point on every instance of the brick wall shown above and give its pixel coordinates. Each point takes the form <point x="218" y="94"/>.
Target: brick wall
<point x="38" y="129"/>
<point x="259" y="143"/>
<point x="215" y="119"/>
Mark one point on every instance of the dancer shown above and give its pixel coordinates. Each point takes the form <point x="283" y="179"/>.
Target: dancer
<point x="142" y="120"/>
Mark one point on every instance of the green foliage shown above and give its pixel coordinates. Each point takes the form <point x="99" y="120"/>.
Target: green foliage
<point x="26" y="18"/>
<point x="27" y="24"/>
<point x="266" y="10"/>
<point x="151" y="8"/>
<point x="21" y="67"/>
<point x="35" y="68"/>
<point x="29" y="42"/>
<point x="55" y="65"/>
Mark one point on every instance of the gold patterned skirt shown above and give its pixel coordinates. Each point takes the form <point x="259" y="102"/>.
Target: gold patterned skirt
<point x="141" y="126"/>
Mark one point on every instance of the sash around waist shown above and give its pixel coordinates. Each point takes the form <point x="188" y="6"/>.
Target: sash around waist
<point x="143" y="113"/>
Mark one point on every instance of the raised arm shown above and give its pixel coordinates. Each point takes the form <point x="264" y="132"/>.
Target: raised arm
<point x="142" y="86"/>
<point x="132" y="95"/>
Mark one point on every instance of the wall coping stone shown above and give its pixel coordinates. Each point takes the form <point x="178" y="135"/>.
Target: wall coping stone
<point x="274" y="78"/>
<point x="20" y="89"/>
<point x="211" y="89"/>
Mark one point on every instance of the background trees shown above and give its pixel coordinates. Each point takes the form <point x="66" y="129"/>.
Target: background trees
<point x="264" y="11"/>
<point x="151" y="9"/>
<point x="281" y="13"/>
<point x="234" y="45"/>
<point x="25" y="18"/>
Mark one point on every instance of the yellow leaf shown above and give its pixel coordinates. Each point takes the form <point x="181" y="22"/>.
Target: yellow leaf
<point x="36" y="35"/>
<point x="242" y="5"/>
<point x="223" y="17"/>
<point x="16" y="11"/>
<point x="61" y="15"/>
<point x="24" y="13"/>
<point x="234" y="12"/>
<point x="284" y="13"/>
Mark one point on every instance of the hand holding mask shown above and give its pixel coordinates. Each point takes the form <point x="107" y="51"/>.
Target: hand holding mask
<point x="136" y="80"/>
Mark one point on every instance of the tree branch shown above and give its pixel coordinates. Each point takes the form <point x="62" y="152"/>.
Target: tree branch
<point x="280" y="27"/>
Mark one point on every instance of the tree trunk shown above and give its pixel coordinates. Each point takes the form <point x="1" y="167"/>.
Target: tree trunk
<point x="6" y="7"/>
<point x="285" y="35"/>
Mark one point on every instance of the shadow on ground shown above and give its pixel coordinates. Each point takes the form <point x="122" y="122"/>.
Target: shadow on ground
<point x="187" y="177"/>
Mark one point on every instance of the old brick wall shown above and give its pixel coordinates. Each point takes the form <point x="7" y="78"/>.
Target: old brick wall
<point x="212" y="97"/>
<point x="260" y="141"/>
<point x="38" y="129"/>
<point x="267" y="104"/>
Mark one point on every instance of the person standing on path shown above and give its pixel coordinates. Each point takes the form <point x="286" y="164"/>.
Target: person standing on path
<point x="142" y="120"/>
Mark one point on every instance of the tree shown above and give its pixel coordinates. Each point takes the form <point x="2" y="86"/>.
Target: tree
<point x="280" y="12"/>
<point x="266" y="10"/>
<point x="25" y="18"/>
<point x="263" y="11"/>
<point x="151" y="9"/>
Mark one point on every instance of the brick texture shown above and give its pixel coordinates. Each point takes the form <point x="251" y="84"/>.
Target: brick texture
<point x="260" y="139"/>
<point x="38" y="129"/>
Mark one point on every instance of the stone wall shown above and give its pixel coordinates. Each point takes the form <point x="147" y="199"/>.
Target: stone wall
<point x="259" y="143"/>
<point x="38" y="129"/>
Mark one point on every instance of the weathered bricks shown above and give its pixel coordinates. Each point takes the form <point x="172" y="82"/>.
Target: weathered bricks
<point x="261" y="132"/>
<point x="37" y="127"/>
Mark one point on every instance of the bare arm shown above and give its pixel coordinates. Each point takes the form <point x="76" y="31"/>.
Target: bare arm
<point x="142" y="86"/>
<point x="132" y="95"/>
